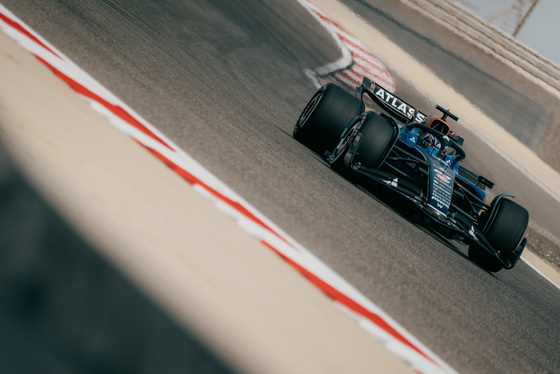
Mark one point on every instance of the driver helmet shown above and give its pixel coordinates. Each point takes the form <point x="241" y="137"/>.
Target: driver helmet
<point x="431" y="140"/>
<point x="439" y="125"/>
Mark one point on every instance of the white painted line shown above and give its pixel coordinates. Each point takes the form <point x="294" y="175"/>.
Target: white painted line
<point x="537" y="270"/>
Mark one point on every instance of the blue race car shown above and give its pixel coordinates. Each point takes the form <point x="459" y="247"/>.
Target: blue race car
<point x="416" y="156"/>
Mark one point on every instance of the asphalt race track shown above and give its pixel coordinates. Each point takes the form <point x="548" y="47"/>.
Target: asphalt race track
<point x="224" y="80"/>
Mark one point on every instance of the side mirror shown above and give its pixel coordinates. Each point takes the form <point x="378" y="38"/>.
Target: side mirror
<point x="486" y="182"/>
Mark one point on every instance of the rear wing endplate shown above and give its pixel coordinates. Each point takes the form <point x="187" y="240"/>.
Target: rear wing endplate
<point x="393" y="104"/>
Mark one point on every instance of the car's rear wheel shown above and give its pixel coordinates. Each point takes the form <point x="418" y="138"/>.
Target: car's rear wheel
<point x="325" y="117"/>
<point x="504" y="232"/>
<point x="376" y="137"/>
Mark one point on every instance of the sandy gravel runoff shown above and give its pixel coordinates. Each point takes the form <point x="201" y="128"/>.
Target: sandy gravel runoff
<point x="239" y="297"/>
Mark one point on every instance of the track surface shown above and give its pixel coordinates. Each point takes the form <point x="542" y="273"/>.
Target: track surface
<point x="224" y="80"/>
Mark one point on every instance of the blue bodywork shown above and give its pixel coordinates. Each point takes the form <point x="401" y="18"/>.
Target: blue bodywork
<point x="418" y="157"/>
<point x="443" y="169"/>
<point x="450" y="198"/>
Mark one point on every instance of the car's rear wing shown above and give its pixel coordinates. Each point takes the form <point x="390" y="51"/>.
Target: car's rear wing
<point x="395" y="105"/>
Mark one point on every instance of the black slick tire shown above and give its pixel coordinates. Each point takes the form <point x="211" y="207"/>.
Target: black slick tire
<point x="504" y="232"/>
<point x="325" y="117"/>
<point x="377" y="137"/>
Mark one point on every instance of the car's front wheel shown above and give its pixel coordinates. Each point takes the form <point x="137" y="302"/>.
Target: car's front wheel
<point x="504" y="231"/>
<point x="377" y="135"/>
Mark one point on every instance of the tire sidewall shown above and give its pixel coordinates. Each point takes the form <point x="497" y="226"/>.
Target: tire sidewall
<point x="377" y="137"/>
<point x="507" y="228"/>
<point x="325" y="117"/>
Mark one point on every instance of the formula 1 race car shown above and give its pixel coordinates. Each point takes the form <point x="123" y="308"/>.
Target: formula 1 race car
<point x="416" y="156"/>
